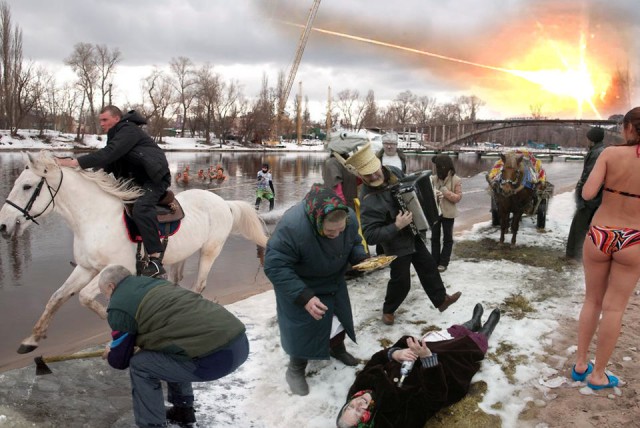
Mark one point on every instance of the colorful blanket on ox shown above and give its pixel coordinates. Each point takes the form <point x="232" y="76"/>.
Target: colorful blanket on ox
<point x="134" y="234"/>
<point x="533" y="171"/>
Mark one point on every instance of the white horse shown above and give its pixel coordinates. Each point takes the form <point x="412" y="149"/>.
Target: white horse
<point x="92" y="205"/>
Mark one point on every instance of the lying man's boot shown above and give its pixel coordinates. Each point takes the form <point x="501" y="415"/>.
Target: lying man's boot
<point x="449" y="300"/>
<point x="340" y="353"/>
<point x="491" y="323"/>
<point x="475" y="322"/>
<point x="154" y="268"/>
<point x="296" y="376"/>
<point x="182" y="416"/>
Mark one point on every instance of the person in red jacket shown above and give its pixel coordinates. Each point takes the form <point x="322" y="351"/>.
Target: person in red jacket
<point x="405" y="385"/>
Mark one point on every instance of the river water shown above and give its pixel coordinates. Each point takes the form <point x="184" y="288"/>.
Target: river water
<point x="33" y="266"/>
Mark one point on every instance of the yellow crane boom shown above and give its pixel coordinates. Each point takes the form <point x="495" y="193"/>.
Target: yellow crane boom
<point x="294" y="66"/>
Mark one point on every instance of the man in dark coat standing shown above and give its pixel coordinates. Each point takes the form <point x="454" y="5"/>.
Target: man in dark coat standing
<point x="585" y="209"/>
<point x="305" y="260"/>
<point x="384" y="223"/>
<point x="389" y="394"/>
<point x="131" y="154"/>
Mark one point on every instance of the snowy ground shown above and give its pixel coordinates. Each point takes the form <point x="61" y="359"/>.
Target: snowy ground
<point x="257" y="394"/>
<point x="29" y="139"/>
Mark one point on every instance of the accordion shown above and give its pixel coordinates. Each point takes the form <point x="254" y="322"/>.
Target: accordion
<point x="414" y="193"/>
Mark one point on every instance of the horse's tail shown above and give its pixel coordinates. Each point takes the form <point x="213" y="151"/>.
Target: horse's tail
<point x="247" y="222"/>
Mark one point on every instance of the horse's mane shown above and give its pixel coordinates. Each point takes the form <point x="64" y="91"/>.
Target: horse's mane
<point x="124" y="190"/>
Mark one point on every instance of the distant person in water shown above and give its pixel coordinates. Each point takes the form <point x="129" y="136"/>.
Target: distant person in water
<point x="264" y="189"/>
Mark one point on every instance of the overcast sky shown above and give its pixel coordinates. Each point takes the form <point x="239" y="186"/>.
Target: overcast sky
<point x="243" y="39"/>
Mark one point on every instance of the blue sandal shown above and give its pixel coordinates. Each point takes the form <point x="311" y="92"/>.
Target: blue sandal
<point x="613" y="381"/>
<point x="580" y="377"/>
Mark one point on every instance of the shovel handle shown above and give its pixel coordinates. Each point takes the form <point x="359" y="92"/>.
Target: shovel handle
<point x="55" y="358"/>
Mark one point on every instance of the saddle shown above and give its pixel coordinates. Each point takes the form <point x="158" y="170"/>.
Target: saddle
<point x="169" y="213"/>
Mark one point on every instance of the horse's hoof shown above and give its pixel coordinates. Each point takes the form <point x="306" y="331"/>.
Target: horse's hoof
<point x="25" y="349"/>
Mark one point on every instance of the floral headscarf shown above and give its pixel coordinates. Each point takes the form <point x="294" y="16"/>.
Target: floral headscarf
<point x="367" y="420"/>
<point x="319" y="202"/>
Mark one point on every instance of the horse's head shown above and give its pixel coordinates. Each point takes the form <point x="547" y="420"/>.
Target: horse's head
<point x="32" y="194"/>
<point x="512" y="172"/>
<point x="345" y="142"/>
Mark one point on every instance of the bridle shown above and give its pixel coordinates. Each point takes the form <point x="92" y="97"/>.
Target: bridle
<point x="517" y="183"/>
<point x="52" y="192"/>
<point x="516" y="180"/>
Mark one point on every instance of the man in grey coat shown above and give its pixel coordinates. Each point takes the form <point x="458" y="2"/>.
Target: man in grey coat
<point x="306" y="259"/>
<point x="585" y="209"/>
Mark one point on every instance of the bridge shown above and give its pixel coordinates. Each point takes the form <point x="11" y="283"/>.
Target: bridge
<point x="446" y="135"/>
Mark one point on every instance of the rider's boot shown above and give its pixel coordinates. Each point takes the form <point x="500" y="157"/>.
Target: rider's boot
<point x="154" y="268"/>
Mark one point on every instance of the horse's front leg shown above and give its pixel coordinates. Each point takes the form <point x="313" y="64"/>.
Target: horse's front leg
<point x="88" y="296"/>
<point x="515" y="225"/>
<point x="76" y="281"/>
<point x="504" y="225"/>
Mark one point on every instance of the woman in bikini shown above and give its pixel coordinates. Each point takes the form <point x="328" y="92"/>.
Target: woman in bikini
<point x="610" y="255"/>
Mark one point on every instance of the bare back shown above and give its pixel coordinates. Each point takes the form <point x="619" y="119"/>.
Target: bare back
<point x="618" y="167"/>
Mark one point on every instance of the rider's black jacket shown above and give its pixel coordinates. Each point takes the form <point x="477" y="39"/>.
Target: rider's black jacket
<point x="130" y="153"/>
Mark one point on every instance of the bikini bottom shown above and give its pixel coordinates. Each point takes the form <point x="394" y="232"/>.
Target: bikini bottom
<point x="610" y="239"/>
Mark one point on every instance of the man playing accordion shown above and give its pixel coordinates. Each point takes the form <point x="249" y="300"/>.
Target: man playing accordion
<point x="383" y="222"/>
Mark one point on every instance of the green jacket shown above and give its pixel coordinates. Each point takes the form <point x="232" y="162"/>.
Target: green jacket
<point x="167" y="318"/>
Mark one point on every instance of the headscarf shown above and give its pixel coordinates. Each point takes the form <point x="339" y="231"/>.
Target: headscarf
<point x="319" y="202"/>
<point x="368" y="417"/>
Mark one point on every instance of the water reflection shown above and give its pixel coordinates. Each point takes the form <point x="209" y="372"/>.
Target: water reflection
<point x="293" y="174"/>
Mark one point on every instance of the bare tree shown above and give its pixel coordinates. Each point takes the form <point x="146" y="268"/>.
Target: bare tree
<point x="258" y="122"/>
<point x="352" y="108"/>
<point x="370" y="116"/>
<point x="183" y="71"/>
<point x="536" y="110"/>
<point x="207" y="95"/>
<point x="11" y="63"/>
<point x="469" y="106"/>
<point x="423" y="109"/>
<point x="83" y="62"/>
<point x="401" y="108"/>
<point x="160" y="88"/>
<point x="106" y="61"/>
<point x="42" y="96"/>
<point x="226" y="108"/>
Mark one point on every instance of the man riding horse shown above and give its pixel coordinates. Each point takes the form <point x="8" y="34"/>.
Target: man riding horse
<point x="130" y="153"/>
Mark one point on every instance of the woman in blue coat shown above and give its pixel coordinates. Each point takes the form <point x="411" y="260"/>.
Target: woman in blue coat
<point x="306" y="259"/>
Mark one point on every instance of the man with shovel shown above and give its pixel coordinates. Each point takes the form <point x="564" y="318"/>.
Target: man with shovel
<point x="182" y="338"/>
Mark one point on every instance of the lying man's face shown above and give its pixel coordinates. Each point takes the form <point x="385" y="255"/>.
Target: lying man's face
<point x="357" y="410"/>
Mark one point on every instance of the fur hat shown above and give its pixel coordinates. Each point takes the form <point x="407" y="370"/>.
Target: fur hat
<point x="390" y="138"/>
<point x="364" y="161"/>
<point x="595" y="134"/>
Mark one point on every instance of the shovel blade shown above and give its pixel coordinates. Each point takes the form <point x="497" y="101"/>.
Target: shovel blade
<point x="41" y="367"/>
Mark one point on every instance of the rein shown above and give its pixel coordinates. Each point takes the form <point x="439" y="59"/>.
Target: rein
<point x="34" y="196"/>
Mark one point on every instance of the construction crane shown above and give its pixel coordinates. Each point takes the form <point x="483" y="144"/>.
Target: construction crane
<point x="284" y="96"/>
